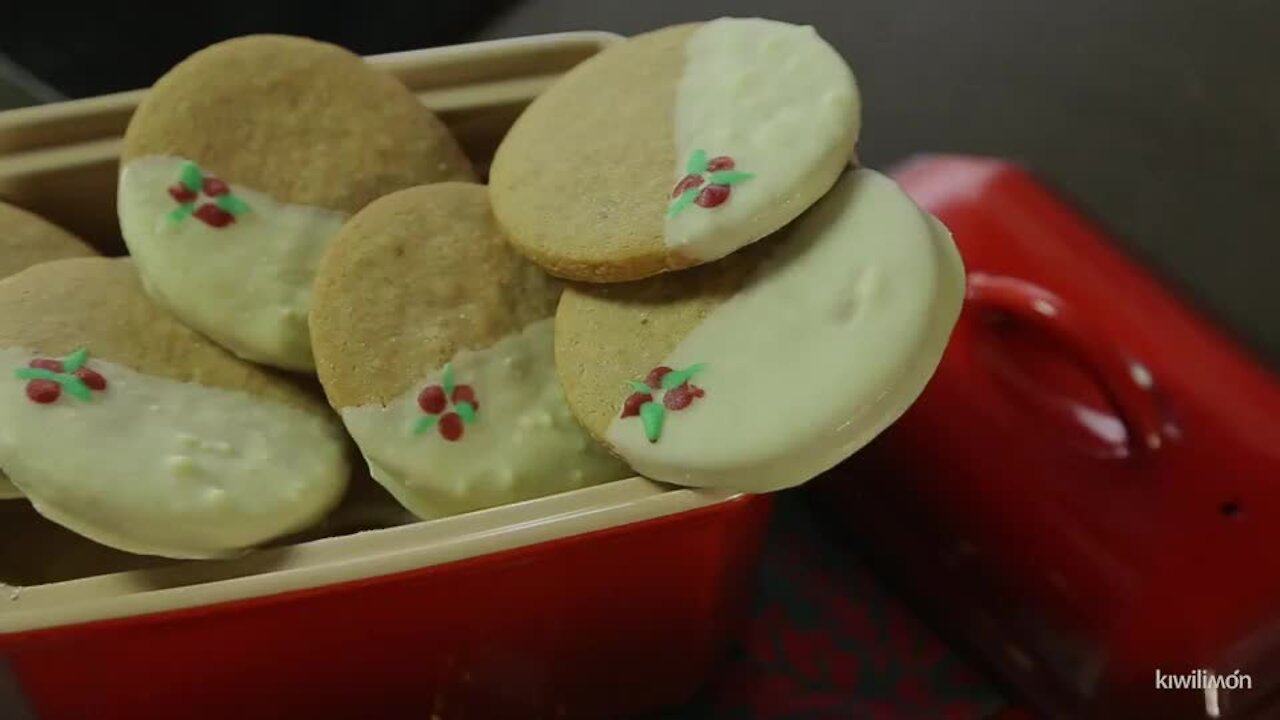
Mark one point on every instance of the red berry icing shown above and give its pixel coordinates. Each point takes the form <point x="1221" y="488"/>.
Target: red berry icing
<point x="631" y="407"/>
<point x="48" y="379"/>
<point x="181" y="194"/>
<point x="712" y="195"/>
<point x="451" y="427"/>
<point x="193" y="184"/>
<point x="706" y="182"/>
<point x="679" y="398"/>
<point x="437" y="399"/>
<point x="213" y="187"/>
<point x="654" y="378"/>
<point x="93" y="379"/>
<point x="673" y="392"/>
<point x="465" y="394"/>
<point x="214" y="216"/>
<point x="44" y="391"/>
<point x="432" y="400"/>
<point x="688" y="183"/>
<point x="724" y="162"/>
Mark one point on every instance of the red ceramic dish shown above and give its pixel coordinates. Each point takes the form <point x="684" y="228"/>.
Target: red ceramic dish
<point x="597" y="603"/>
<point x="1088" y="488"/>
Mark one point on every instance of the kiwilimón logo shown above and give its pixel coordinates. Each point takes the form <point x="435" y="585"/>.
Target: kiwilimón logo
<point x="1207" y="682"/>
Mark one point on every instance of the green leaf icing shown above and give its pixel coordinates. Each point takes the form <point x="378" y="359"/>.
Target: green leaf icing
<point x="75" y="361"/>
<point x="182" y="212"/>
<point x="447" y="381"/>
<point x="729" y="177"/>
<point x="685" y="200"/>
<point x="191" y="177"/>
<point x="424" y="424"/>
<point x="652" y="414"/>
<point x="466" y="411"/>
<point x="232" y="204"/>
<point x="639" y="386"/>
<point x="676" y="378"/>
<point x="697" y="163"/>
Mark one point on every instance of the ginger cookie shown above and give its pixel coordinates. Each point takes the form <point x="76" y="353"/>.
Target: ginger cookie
<point x="127" y="427"/>
<point x="240" y="165"/>
<point x="763" y="370"/>
<point x="433" y="339"/>
<point x="675" y="148"/>
<point x="27" y="239"/>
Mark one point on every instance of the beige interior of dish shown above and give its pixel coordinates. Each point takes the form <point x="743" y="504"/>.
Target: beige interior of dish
<point x="60" y="161"/>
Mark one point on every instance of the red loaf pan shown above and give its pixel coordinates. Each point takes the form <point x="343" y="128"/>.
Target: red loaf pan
<point x="596" y="603"/>
<point x="1088" y="491"/>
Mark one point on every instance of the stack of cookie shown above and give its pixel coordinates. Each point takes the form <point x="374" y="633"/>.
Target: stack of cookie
<point x="676" y="269"/>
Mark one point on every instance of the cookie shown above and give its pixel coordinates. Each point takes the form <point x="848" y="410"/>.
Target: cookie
<point x="763" y="370"/>
<point x="433" y="339"/>
<point x="676" y="148"/>
<point x="127" y="427"/>
<point x="27" y="239"/>
<point x="240" y="165"/>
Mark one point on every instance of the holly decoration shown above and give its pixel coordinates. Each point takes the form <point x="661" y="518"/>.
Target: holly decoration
<point x="47" y="379"/>
<point x="674" y="392"/>
<point x="436" y="400"/>
<point x="221" y="210"/>
<point x="707" y="182"/>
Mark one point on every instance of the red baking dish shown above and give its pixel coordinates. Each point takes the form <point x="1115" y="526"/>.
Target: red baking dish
<point x="597" y="603"/>
<point x="1089" y="488"/>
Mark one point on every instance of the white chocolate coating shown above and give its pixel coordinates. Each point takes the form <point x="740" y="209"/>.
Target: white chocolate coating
<point x="159" y="467"/>
<point x="827" y="345"/>
<point x="524" y="443"/>
<point x="246" y="286"/>
<point x="781" y="102"/>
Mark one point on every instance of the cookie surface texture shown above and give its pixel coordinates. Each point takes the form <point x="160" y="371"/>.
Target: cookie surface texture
<point x="675" y="148"/>
<point x="240" y="165"/>
<point x="763" y="370"/>
<point x="127" y="427"/>
<point x="433" y="340"/>
<point x="27" y="239"/>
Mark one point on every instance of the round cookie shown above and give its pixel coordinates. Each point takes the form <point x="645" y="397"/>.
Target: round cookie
<point x="433" y="339"/>
<point x="27" y="239"/>
<point x="127" y="427"/>
<point x="240" y="165"/>
<point x="675" y="148"/>
<point x="763" y="370"/>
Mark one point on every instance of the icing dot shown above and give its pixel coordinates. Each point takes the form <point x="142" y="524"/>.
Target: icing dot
<point x="712" y="196"/>
<point x="465" y="393"/>
<point x="654" y="378"/>
<point x="92" y="379"/>
<point x="44" y="391"/>
<point x="432" y="400"/>
<point x="47" y="364"/>
<point x="451" y="427"/>
<point x="214" y="216"/>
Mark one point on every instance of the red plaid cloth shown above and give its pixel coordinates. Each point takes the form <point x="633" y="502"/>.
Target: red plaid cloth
<point x="827" y="642"/>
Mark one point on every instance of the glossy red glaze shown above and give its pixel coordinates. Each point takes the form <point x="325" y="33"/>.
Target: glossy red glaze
<point x="1089" y="488"/>
<point x="601" y="625"/>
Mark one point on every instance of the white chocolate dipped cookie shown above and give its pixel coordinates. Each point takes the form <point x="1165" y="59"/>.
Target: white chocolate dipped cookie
<point x="240" y="165"/>
<point x="675" y="148"/>
<point x="130" y="429"/>
<point x="27" y="239"/>
<point x="433" y="339"/>
<point x="768" y="368"/>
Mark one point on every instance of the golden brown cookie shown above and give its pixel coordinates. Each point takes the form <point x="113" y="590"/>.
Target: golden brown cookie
<point x="27" y="239"/>
<point x="241" y="163"/>
<point x="765" y="369"/>
<point x="129" y="428"/>
<point x="676" y="148"/>
<point x="433" y="339"/>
